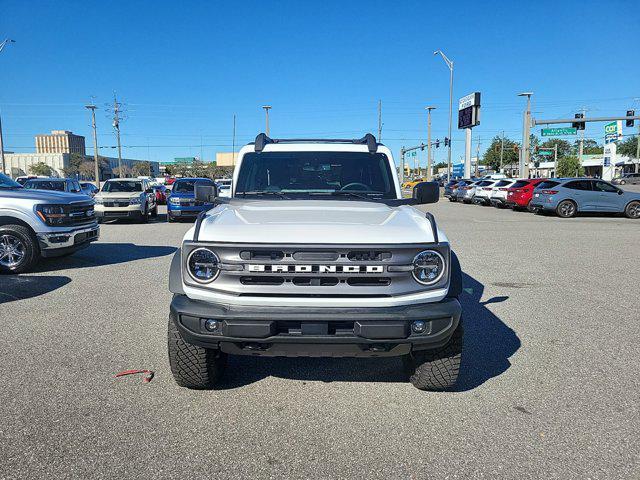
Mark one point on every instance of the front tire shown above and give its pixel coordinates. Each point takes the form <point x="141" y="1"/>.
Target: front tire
<point x="19" y="249"/>
<point x="192" y="366"/>
<point x="633" y="210"/>
<point x="438" y="369"/>
<point x="567" y="209"/>
<point x="145" y="215"/>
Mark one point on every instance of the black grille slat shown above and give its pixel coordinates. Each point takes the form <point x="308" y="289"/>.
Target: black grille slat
<point x="368" y="256"/>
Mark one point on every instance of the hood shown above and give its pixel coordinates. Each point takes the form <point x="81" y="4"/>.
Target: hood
<point x="118" y="194"/>
<point x="48" y="196"/>
<point x="315" y="222"/>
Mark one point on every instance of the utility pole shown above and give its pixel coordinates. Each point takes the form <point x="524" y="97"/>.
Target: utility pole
<point x="380" y="121"/>
<point x="450" y="65"/>
<point x="4" y="165"/>
<point x="428" y="109"/>
<point x="116" y="126"/>
<point x="95" y="142"/>
<point x="502" y="150"/>
<point x="637" y="146"/>
<point x="401" y="166"/>
<point x="477" y="157"/>
<point x="233" y="140"/>
<point x="266" y="111"/>
<point x="524" y="155"/>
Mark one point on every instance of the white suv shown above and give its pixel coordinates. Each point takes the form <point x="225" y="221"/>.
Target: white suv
<point x="126" y="198"/>
<point x="315" y="253"/>
<point x="499" y="192"/>
<point x="483" y="192"/>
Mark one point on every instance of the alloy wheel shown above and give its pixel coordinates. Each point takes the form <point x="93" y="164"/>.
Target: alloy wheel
<point x="567" y="209"/>
<point x="12" y="251"/>
<point x="634" y="210"/>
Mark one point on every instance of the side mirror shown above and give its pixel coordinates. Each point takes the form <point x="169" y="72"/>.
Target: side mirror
<point x="426" y="192"/>
<point x="206" y="193"/>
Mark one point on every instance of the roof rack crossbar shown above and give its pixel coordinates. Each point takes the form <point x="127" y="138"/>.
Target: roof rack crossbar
<point x="369" y="140"/>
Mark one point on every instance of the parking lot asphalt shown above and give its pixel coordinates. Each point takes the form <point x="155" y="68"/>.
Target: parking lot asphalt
<point x="549" y="386"/>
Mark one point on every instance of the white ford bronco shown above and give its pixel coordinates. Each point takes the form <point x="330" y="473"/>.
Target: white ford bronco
<point x="315" y="253"/>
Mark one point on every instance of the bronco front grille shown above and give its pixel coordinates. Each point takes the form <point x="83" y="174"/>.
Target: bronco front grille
<point x="302" y="270"/>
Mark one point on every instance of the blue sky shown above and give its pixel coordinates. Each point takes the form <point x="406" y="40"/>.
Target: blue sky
<point x="183" y="69"/>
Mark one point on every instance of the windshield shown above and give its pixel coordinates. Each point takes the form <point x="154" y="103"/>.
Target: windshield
<point x="6" y="182"/>
<point x="45" y="185"/>
<point x="189" y="186"/>
<point x="122" y="186"/>
<point x="307" y="173"/>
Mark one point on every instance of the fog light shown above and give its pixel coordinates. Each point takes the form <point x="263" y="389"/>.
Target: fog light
<point x="418" y="326"/>
<point x="211" y="325"/>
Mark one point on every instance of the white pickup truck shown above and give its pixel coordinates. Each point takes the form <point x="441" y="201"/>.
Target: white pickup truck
<point x="315" y="253"/>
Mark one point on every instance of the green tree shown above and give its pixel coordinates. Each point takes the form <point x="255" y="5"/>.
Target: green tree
<point x="141" y="168"/>
<point x="564" y="147"/>
<point x="41" y="168"/>
<point x="569" y="166"/>
<point x="439" y="165"/>
<point x="87" y="170"/>
<point x="491" y="156"/>
<point x="628" y="148"/>
<point x="75" y="160"/>
<point x="126" y="172"/>
<point x="198" y="168"/>
<point x="589" y="147"/>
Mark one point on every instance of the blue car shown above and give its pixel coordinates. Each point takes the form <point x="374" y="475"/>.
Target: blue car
<point x="182" y="200"/>
<point x="569" y="196"/>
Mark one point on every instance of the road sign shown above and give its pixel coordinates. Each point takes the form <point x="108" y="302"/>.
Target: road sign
<point x="545" y="153"/>
<point x="555" y="132"/>
<point x="457" y="169"/>
<point x="469" y="111"/>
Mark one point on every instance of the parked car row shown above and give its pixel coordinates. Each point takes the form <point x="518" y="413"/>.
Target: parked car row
<point x="565" y="197"/>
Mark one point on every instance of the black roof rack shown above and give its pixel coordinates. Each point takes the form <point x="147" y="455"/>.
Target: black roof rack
<point x="369" y="140"/>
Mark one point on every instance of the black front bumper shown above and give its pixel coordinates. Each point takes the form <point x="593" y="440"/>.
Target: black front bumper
<point x="316" y="331"/>
<point x="107" y="215"/>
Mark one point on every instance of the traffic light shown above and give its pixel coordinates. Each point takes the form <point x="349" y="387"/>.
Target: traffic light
<point x="422" y="147"/>
<point x="578" y="125"/>
<point x="438" y="143"/>
<point x="630" y="113"/>
<point x="447" y="142"/>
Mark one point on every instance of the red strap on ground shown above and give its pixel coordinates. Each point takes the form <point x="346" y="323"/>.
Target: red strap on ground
<point x="147" y="378"/>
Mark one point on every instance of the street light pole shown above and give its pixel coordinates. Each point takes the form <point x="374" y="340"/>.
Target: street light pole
<point x="524" y="156"/>
<point x="4" y="166"/>
<point x="428" y="109"/>
<point x="450" y="65"/>
<point x="266" y="111"/>
<point x="95" y="142"/>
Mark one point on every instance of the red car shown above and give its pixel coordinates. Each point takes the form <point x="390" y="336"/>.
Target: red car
<point x="161" y="194"/>
<point x="520" y="193"/>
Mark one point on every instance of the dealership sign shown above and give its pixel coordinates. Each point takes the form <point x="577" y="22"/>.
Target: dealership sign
<point x="469" y="111"/>
<point x="612" y="132"/>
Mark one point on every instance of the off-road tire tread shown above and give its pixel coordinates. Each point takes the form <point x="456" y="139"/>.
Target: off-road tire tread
<point x="438" y="369"/>
<point x="192" y="366"/>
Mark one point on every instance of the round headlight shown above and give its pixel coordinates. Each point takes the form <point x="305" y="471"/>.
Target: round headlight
<point x="428" y="267"/>
<point x="202" y="265"/>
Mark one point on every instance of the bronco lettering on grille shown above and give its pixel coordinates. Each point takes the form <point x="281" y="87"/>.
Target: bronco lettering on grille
<point x="258" y="268"/>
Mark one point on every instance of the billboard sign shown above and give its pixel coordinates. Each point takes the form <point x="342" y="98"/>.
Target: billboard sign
<point x="469" y="111"/>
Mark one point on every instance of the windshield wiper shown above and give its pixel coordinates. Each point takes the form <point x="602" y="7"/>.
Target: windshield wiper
<point x="362" y="196"/>
<point x="264" y="192"/>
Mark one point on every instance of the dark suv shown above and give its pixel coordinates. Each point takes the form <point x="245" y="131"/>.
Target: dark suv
<point x="68" y="185"/>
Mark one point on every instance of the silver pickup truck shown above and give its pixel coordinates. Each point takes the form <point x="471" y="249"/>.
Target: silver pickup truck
<point x="41" y="223"/>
